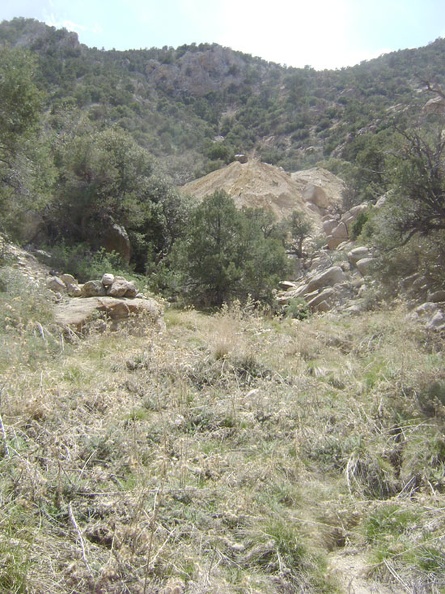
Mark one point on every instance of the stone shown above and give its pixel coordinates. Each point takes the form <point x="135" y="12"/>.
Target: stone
<point x="122" y="288"/>
<point x="55" y="284"/>
<point x="437" y="322"/>
<point x="323" y="296"/>
<point x="93" y="288"/>
<point x="316" y="195"/>
<point x="338" y="235"/>
<point x="116" y="240"/>
<point x="329" y="225"/>
<point x="436" y="296"/>
<point x="328" y="278"/>
<point x="72" y="285"/>
<point x="364" y="265"/>
<point x="426" y="309"/>
<point x="287" y="285"/>
<point x="78" y="313"/>
<point x="107" y="279"/>
<point x="357" y="254"/>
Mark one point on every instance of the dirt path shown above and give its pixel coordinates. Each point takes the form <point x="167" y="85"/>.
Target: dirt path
<point x="350" y="568"/>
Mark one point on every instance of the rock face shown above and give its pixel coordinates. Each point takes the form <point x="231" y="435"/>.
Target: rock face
<point x="320" y="188"/>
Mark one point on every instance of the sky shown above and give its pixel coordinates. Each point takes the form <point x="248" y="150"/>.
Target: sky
<point x="318" y="33"/>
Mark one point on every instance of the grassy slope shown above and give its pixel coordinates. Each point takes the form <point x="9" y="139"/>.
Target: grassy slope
<point x="229" y="454"/>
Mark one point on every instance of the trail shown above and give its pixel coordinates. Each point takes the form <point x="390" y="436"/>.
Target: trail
<point x="350" y="569"/>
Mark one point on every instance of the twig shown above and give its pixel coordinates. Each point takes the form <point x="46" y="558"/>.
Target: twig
<point x="395" y="575"/>
<point x="5" y="441"/>
<point x="79" y="534"/>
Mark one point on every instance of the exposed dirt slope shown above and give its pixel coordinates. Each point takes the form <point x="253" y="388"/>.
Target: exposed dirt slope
<point x="252" y="184"/>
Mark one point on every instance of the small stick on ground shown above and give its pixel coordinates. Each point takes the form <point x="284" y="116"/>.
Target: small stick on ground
<point x="79" y="534"/>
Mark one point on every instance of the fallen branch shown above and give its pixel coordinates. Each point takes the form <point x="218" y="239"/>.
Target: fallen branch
<point x="79" y="534"/>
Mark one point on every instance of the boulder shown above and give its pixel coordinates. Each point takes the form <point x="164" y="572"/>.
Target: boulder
<point x="328" y="278"/>
<point x="364" y="265"/>
<point x="338" y="235"/>
<point x="107" y="279"/>
<point x="79" y="313"/>
<point x="316" y="195"/>
<point x="55" y="284"/>
<point x="122" y="288"/>
<point x="324" y="296"/>
<point x="93" y="288"/>
<point x="329" y="225"/>
<point x="437" y="322"/>
<point x="437" y="296"/>
<point x="116" y="240"/>
<point x="357" y="254"/>
<point x="71" y="284"/>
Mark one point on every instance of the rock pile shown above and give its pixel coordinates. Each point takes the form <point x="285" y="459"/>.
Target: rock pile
<point x="113" y="298"/>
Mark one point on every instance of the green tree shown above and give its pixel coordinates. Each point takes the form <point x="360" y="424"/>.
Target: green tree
<point x="106" y="178"/>
<point x="417" y="201"/>
<point x="225" y="254"/>
<point x="26" y="166"/>
<point x="299" y="227"/>
<point x="20" y="101"/>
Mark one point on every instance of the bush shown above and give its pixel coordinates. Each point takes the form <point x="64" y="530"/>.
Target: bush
<point x="85" y="264"/>
<point x="297" y="309"/>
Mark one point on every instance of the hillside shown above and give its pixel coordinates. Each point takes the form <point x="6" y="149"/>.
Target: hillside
<point x="196" y="106"/>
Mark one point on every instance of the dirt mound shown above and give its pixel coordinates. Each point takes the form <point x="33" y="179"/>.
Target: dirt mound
<point x="259" y="185"/>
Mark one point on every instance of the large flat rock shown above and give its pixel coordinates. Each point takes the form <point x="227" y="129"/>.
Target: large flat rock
<point x="79" y="311"/>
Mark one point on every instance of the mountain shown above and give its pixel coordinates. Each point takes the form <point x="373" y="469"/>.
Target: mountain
<point x="196" y="106"/>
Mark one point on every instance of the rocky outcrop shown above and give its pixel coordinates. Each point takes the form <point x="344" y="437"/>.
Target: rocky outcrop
<point x="323" y="290"/>
<point x="338" y="229"/>
<point x="79" y="314"/>
<point x="259" y="185"/>
<point x="431" y="315"/>
<point x="112" y="298"/>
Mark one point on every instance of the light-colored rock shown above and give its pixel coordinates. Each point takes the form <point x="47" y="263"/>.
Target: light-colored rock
<point x="364" y="265"/>
<point x="436" y="105"/>
<point x="72" y="285"/>
<point x="322" y="307"/>
<point x="437" y="322"/>
<point x="77" y="313"/>
<point x="426" y="309"/>
<point x="325" y="295"/>
<point x="55" y="284"/>
<point x="287" y="285"/>
<point x="107" y="279"/>
<point x="316" y="195"/>
<point x="357" y="254"/>
<point x="327" y="278"/>
<point x="329" y="225"/>
<point x="338" y="235"/>
<point x="122" y="288"/>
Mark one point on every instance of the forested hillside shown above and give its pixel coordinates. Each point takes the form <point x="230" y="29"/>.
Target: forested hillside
<point x="92" y="139"/>
<point x="196" y="106"/>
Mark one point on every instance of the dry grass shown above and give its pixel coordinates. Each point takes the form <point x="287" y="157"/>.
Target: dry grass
<point x="230" y="453"/>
